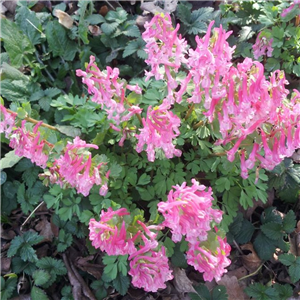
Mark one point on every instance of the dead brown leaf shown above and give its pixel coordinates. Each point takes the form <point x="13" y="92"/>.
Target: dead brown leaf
<point x="238" y="273"/>
<point x="7" y="234"/>
<point x="63" y="18"/>
<point x="233" y="287"/>
<point x="251" y="261"/>
<point x="45" y="229"/>
<point x="181" y="282"/>
<point x="95" y="30"/>
<point x="5" y="265"/>
<point x="92" y="268"/>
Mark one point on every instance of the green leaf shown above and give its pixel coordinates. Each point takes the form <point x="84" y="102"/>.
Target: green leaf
<point x="264" y="246"/>
<point x="287" y="259"/>
<point x="38" y="294"/>
<point x="183" y="13"/>
<point x="58" y="41"/>
<point x="272" y="64"/>
<point x="178" y="259"/>
<point x="134" y="46"/>
<point x="272" y="230"/>
<point x="169" y="244"/>
<point x="52" y="265"/>
<point x="40" y="277"/>
<point x="9" y="72"/>
<point x="285" y="291"/>
<point x="132" y="31"/>
<point x="111" y="271"/>
<point x="9" y="160"/>
<point x="219" y="293"/>
<point x="3" y="177"/>
<point x="260" y="292"/>
<point x="16" y="43"/>
<point x="289" y="222"/>
<point x="8" y="287"/>
<point x="109" y="28"/>
<point x="9" y="190"/>
<point x="95" y="19"/>
<point x="20" y="266"/>
<point x="294" y="270"/>
<point x="27" y="253"/>
<point x="222" y="184"/>
<point x="121" y="284"/>
<point x="144" y="179"/>
<point x="202" y="293"/>
<point x="44" y="103"/>
<point x="296" y="69"/>
<point x="271" y="215"/>
<point x="246" y="232"/>
<point x="68" y="130"/>
<point x="15" y="244"/>
<point x="109" y="259"/>
<point x="16" y="90"/>
<point x="29" y="24"/>
<point x="30" y="176"/>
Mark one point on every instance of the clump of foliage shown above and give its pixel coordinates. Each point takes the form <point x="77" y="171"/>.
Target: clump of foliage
<point x="125" y="163"/>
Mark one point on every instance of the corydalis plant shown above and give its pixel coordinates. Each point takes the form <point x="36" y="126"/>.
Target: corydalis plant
<point x="75" y="168"/>
<point x="190" y="216"/>
<point x="239" y="98"/>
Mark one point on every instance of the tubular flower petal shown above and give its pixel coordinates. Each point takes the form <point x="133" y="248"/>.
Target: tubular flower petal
<point x="29" y="144"/>
<point x="7" y="122"/>
<point x="110" y="235"/>
<point x="150" y="269"/>
<point x="188" y="211"/>
<point x="76" y="169"/>
<point x="211" y="260"/>
<point x="160" y="128"/>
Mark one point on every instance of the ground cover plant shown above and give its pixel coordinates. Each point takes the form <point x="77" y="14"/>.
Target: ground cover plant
<point x="149" y="157"/>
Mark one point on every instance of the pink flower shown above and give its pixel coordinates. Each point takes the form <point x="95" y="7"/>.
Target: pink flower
<point x="188" y="211"/>
<point x="7" y="122"/>
<point x="77" y="169"/>
<point x="109" y="91"/>
<point x="160" y="128"/>
<point x="29" y="144"/>
<point x="110" y="234"/>
<point x="164" y="49"/>
<point x="149" y="269"/>
<point x="286" y="11"/>
<point x="210" y="257"/>
<point x="262" y="46"/>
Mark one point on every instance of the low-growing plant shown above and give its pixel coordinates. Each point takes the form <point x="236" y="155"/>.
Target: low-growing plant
<point x="166" y="160"/>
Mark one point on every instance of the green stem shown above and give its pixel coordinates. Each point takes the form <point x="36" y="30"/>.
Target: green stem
<point x="31" y="120"/>
<point x="197" y="125"/>
<point x="252" y="274"/>
<point x="189" y="112"/>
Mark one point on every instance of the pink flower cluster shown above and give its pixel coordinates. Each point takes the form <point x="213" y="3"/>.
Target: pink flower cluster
<point x="76" y="169"/>
<point x="246" y="104"/>
<point x="262" y="46"/>
<point x="7" y="121"/>
<point x="148" y="264"/>
<point x="164" y="49"/>
<point x="160" y="128"/>
<point x="109" y="91"/>
<point x="208" y="63"/>
<point x="210" y="258"/>
<point x="188" y="212"/>
<point x="286" y="11"/>
<point x="110" y="235"/>
<point x="29" y="144"/>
